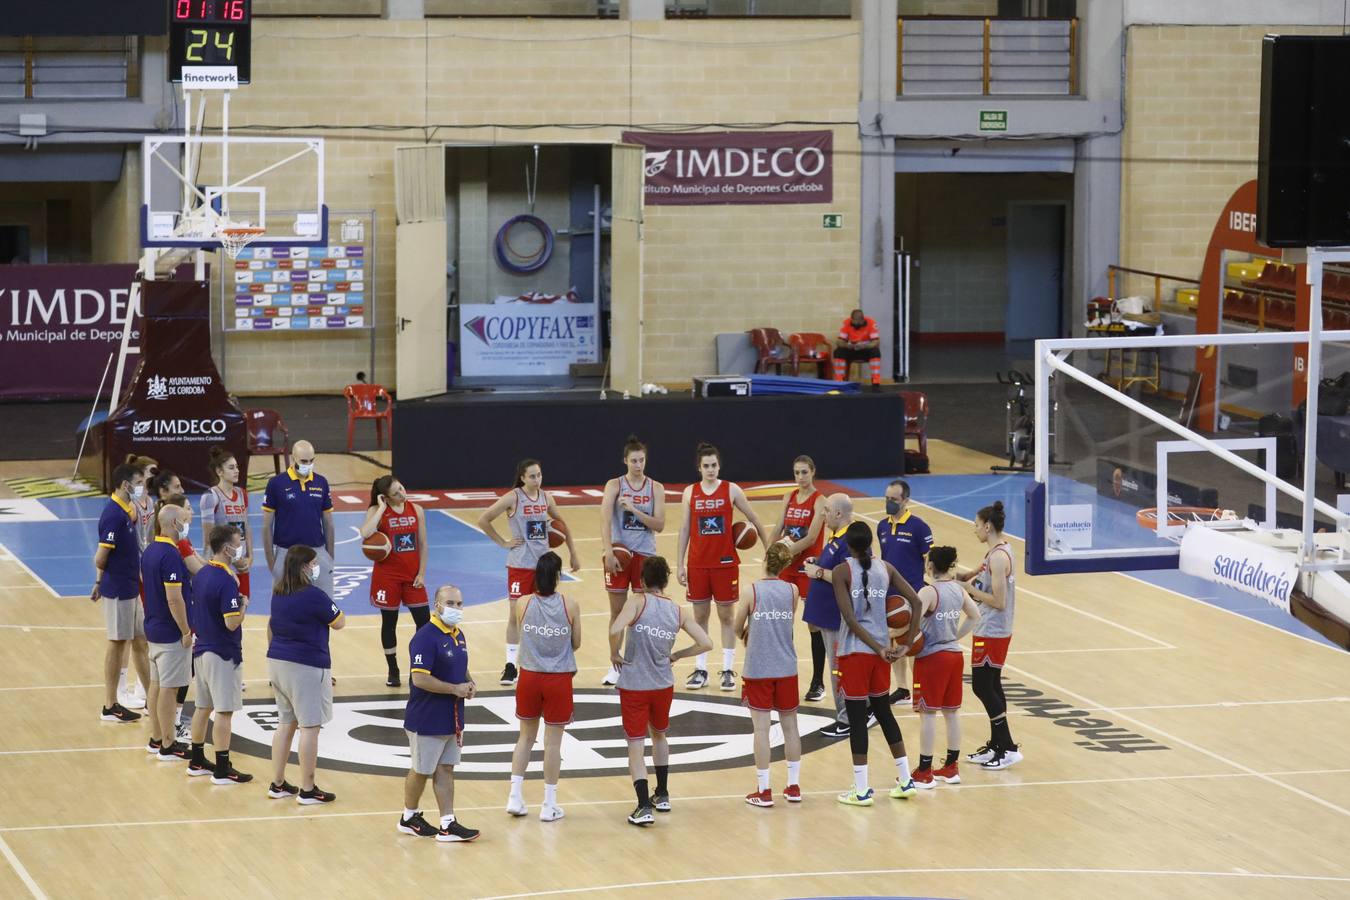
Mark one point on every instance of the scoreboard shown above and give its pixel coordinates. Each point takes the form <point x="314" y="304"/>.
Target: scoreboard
<point x="210" y="33"/>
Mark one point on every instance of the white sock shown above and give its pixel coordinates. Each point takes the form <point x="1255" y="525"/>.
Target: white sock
<point x="178" y="713"/>
<point x="728" y="657"/>
<point x="409" y="813"/>
<point x="517" y="786"/>
<point x="794" y="771"/>
<point x="122" y="682"/>
<point x="902" y="769"/>
<point x="762" y="776"/>
<point x="550" y="795"/>
<point x="512" y="650"/>
<point x="447" y="821"/>
<point x="860" y="779"/>
<point x="701" y="662"/>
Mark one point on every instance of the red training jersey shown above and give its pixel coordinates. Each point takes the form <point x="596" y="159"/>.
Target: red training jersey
<point x="710" y="544"/>
<point x="405" y="556"/>
<point x="797" y="519"/>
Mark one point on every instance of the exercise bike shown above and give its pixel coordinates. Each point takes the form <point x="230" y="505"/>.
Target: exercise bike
<point x="1021" y="422"/>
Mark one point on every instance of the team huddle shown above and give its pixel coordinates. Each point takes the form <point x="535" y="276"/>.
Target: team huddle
<point x="868" y="615"/>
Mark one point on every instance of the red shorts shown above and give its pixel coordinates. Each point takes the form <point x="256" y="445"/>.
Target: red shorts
<point x="765" y="694"/>
<point x="800" y="579"/>
<point x="864" y="675"/>
<point x="989" y="651"/>
<point x="519" y="582"/>
<point x="630" y="577"/>
<point x="937" y="680"/>
<point x="549" y="693"/>
<point x="721" y="585"/>
<point x="643" y="709"/>
<point x="388" y="592"/>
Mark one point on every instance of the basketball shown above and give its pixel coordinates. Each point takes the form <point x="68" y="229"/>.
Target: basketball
<point x="376" y="547"/>
<point x="743" y="535"/>
<point x="918" y="645"/>
<point x="622" y="555"/>
<point x="897" y="611"/>
<point x="557" y="533"/>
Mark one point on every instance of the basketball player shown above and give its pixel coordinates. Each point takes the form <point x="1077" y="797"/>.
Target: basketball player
<point x="711" y="571"/>
<point x="764" y="621"/>
<point x="647" y="679"/>
<point x="937" y="668"/>
<point x="860" y="590"/>
<point x="632" y="511"/>
<point x="905" y="540"/>
<point x="528" y="508"/>
<point x="550" y="635"/>
<point x="226" y="503"/>
<point x="993" y="586"/>
<point x="400" y="577"/>
<point x="117" y="584"/>
<point x="802" y="528"/>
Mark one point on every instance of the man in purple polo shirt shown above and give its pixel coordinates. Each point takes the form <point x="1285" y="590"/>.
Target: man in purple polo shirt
<point x="298" y="511"/>
<point x="905" y="541"/>
<point x="117" y="584"/>
<point x="165" y="576"/>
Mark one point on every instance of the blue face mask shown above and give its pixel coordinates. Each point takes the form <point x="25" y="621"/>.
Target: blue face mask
<point x="452" y="616"/>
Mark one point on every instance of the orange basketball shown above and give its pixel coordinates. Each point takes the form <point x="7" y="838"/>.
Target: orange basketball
<point x="557" y="533"/>
<point x="743" y="535"/>
<point x="918" y="645"/>
<point x="376" y="547"/>
<point x="622" y="555"/>
<point x="897" y="611"/>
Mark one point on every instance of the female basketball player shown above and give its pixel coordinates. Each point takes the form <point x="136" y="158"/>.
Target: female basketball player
<point x="647" y="680"/>
<point x="632" y="511"/>
<point x="802" y="528"/>
<point x="399" y="578"/>
<point x="550" y="634"/>
<point x="528" y="508"/>
<point x="860" y="589"/>
<point x="712" y="570"/>
<point x="226" y="503"/>
<point x="764" y="621"/>
<point x="937" y="668"/>
<point x="993" y="586"/>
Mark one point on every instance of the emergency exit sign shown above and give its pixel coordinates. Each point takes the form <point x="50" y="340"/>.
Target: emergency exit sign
<point x="993" y="120"/>
<point x="832" y="220"/>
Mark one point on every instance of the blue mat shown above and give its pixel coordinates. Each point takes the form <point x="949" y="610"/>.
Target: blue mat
<point x="777" y="385"/>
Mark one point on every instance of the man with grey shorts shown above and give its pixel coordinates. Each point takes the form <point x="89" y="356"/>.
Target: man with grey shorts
<point x="217" y="616"/>
<point x="439" y="665"/>
<point x="117" y="585"/>
<point x="164" y="576"/>
<point x="298" y="512"/>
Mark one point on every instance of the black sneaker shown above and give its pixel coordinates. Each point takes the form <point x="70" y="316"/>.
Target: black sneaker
<point x="230" y="776"/>
<point x="281" y="791"/>
<point x="815" y="693"/>
<point x="509" y="676"/>
<point x="837" y="730"/>
<point x="174" y="752"/>
<point x="697" y="680"/>
<point x="642" y="815"/>
<point x="728" y="680"/>
<point x="314" y="796"/>
<point x="393" y="680"/>
<point x="661" y="801"/>
<point x="899" y="695"/>
<point x="118" y="713"/>
<point x="418" y="826"/>
<point x="153" y="746"/>
<point x="455" y="833"/>
<point x="196" y="769"/>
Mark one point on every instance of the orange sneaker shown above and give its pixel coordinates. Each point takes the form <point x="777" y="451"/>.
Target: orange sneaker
<point x="923" y="779"/>
<point x="760" y="798"/>
<point x="949" y="774"/>
<point x="793" y="793"/>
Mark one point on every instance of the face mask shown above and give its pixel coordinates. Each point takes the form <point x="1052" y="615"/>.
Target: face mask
<point x="304" y="469"/>
<point x="238" y="552"/>
<point x="452" y="616"/>
<point x="893" y="507"/>
<point x="313" y="572"/>
<point x="183" y="531"/>
<point x="138" y="492"/>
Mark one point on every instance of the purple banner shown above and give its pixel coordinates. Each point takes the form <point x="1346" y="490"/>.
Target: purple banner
<point x="736" y="167"/>
<point x="57" y="326"/>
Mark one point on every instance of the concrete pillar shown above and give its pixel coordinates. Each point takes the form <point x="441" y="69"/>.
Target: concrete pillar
<point x="474" y="261"/>
<point x="642" y="10"/>
<point x="402" y="9"/>
<point x="877" y="219"/>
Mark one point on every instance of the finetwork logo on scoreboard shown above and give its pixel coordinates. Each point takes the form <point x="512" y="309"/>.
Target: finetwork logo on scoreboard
<point x="205" y="78"/>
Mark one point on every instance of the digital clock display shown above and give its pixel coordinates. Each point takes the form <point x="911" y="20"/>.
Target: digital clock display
<point x="209" y="34"/>
<point x="236" y="12"/>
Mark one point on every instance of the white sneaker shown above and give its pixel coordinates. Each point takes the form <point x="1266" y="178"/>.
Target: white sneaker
<point x="982" y="755"/>
<point x="130" y="700"/>
<point x="550" y="813"/>
<point x="611" y="677"/>
<point x="1004" y="760"/>
<point x="516" y="806"/>
<point x="183" y="731"/>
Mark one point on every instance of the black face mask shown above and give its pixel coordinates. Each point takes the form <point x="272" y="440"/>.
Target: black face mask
<point x="893" y="507"/>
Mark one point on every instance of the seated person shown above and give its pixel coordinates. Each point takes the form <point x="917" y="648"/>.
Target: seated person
<point x="859" y="339"/>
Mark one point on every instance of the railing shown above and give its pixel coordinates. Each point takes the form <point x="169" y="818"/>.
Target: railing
<point x="986" y="56"/>
<point x="70" y="68"/>
<point x="1112" y="281"/>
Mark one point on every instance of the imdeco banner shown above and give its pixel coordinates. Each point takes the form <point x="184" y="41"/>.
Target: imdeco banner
<point x="736" y="167"/>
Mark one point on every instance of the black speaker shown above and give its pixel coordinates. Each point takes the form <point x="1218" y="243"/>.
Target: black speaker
<point x="1303" y="173"/>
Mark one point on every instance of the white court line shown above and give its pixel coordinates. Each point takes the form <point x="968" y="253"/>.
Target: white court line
<point x="19" y="870"/>
<point x="140" y="747"/>
<point x="1182" y="741"/>
<point x="7" y="555"/>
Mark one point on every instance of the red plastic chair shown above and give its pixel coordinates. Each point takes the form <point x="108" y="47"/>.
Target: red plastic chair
<point x="771" y="350"/>
<point x="811" y="348"/>
<point x="264" y="427"/>
<point x="916" y="418"/>
<point x="363" y="402"/>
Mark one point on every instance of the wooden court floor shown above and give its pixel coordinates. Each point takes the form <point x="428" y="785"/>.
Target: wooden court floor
<point x="1172" y="749"/>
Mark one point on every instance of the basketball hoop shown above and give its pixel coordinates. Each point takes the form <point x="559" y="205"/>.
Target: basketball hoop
<point x="234" y="238"/>
<point x="1181" y="516"/>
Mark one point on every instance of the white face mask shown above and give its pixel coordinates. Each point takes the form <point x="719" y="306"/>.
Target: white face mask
<point x="313" y="572"/>
<point x="238" y="552"/>
<point x="138" y="492"/>
<point x="452" y="616"/>
<point x="183" y="530"/>
<point x="304" y="469"/>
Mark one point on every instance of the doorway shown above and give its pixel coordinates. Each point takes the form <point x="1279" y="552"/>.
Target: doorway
<point x="1035" y="307"/>
<point x="15" y="245"/>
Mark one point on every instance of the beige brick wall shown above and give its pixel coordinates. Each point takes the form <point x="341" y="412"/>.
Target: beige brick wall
<point x="708" y="269"/>
<point x="115" y="236"/>
<point x="1192" y="113"/>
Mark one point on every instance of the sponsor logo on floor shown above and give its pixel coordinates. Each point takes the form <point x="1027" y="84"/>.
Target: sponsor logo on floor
<point x="52" y="487"/>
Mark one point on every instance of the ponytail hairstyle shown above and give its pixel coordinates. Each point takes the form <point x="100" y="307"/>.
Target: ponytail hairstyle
<point x="942" y="558"/>
<point x="163" y="478"/>
<point x="218" y="458"/>
<point x="859" y="540"/>
<point x="546" y="573"/>
<point x="810" y="463"/>
<point x="521" y="468"/>
<point x="777" y="558"/>
<point x="141" y="463"/>
<point x="380" y="488"/>
<point x="633" y="445"/>
<point x="992" y="515"/>
<point x="706" y="449"/>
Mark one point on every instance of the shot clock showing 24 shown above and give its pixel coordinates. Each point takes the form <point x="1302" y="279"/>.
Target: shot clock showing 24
<point x="209" y="33"/>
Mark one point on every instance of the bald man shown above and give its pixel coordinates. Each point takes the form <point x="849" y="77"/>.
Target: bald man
<point x="298" y="512"/>
<point x="165" y="577"/>
<point x="820" y="610"/>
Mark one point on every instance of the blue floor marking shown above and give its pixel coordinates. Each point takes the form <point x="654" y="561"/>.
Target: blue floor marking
<point x="964" y="495"/>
